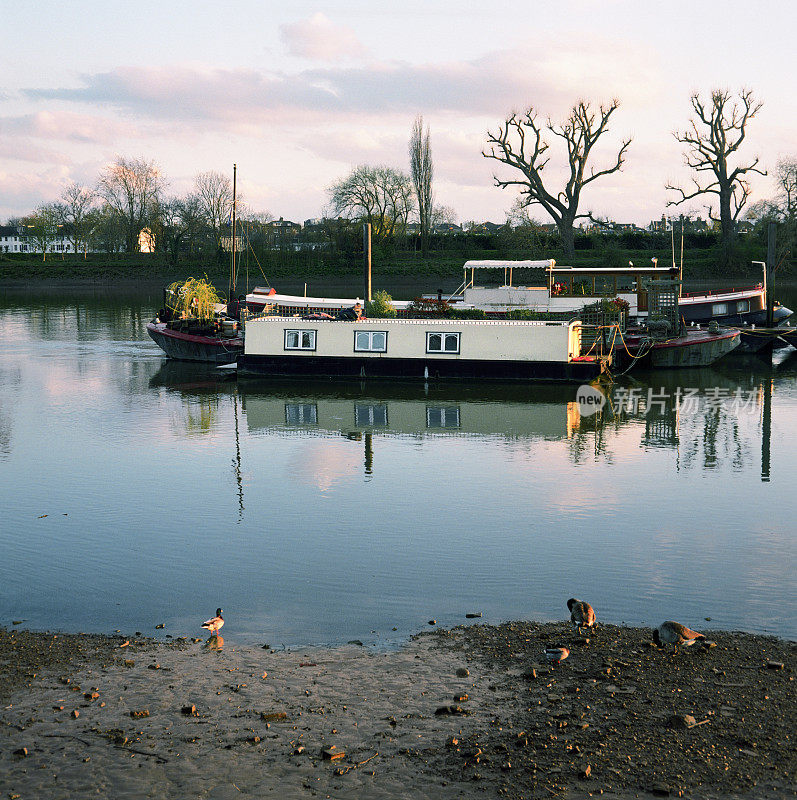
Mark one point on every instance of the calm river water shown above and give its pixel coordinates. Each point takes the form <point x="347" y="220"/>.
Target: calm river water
<point x="138" y="492"/>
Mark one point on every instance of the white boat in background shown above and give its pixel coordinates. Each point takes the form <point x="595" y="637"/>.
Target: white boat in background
<point x="266" y="300"/>
<point x="568" y="289"/>
<point x="565" y="290"/>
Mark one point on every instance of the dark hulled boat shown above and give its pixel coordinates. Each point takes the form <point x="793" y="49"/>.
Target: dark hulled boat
<point x="218" y="342"/>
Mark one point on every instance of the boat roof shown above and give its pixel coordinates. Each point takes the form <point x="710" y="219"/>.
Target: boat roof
<point x="614" y="270"/>
<point x="545" y="264"/>
<point x="549" y="264"/>
<point x="301" y="301"/>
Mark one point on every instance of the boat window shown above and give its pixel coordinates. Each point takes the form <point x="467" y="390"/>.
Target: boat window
<point x="626" y="283"/>
<point x="442" y="343"/>
<point x="370" y="341"/>
<point x="742" y="306"/>
<point x="583" y="287"/>
<point x="370" y="416"/>
<point x="604" y="285"/>
<point x="299" y="340"/>
<point x="301" y="414"/>
<point x="442" y="417"/>
<point x="718" y="309"/>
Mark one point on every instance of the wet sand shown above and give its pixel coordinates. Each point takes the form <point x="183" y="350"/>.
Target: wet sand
<point x="471" y="712"/>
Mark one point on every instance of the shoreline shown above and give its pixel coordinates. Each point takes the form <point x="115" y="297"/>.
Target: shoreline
<point x="187" y="718"/>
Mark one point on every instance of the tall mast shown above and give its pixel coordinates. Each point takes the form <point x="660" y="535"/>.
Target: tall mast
<point x="233" y="276"/>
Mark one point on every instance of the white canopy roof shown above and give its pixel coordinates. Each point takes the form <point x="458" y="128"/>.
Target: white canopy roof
<point x="548" y="262"/>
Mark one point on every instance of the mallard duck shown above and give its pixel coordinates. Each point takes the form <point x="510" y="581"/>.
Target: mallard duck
<point x="582" y="615"/>
<point x="674" y="633"/>
<point x="556" y="654"/>
<point x="214" y="624"/>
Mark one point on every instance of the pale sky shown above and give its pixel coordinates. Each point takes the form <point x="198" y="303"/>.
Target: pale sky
<point x="298" y="93"/>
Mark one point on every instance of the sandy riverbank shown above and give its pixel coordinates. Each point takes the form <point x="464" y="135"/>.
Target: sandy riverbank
<point x="86" y="716"/>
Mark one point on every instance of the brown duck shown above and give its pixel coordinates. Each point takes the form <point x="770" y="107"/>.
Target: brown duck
<point x="674" y="633"/>
<point x="582" y="615"/>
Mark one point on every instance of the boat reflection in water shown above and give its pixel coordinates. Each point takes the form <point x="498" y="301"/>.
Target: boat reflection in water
<point x="709" y="418"/>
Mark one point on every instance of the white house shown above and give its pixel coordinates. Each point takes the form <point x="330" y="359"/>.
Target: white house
<point x="14" y="240"/>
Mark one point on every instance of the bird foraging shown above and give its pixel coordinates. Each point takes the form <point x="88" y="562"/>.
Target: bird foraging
<point x="582" y="615"/>
<point x="214" y="624"/>
<point x="674" y="633"/>
<point x="555" y="655"/>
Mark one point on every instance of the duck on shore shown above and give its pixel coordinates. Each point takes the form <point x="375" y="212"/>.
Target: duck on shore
<point x="582" y="615"/>
<point x="555" y="655"/>
<point x="214" y="624"/>
<point x="674" y="633"/>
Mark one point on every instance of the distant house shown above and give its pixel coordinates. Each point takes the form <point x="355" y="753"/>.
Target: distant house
<point x="283" y="227"/>
<point x="485" y="227"/>
<point x="225" y="242"/>
<point x="447" y="228"/>
<point x="597" y="226"/>
<point x="659" y="225"/>
<point x="313" y="226"/>
<point x="689" y="224"/>
<point x="13" y="239"/>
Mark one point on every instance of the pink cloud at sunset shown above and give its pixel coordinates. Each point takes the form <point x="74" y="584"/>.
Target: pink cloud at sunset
<point x="320" y="39"/>
<point x="298" y="95"/>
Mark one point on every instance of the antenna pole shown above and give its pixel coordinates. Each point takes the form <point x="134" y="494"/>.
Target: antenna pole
<point x="233" y="276"/>
<point x="367" y="262"/>
<point x="770" y="275"/>
<point x="672" y="242"/>
<point x="681" y="269"/>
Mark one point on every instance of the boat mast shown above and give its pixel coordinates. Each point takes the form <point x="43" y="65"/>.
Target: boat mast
<point x="233" y="276"/>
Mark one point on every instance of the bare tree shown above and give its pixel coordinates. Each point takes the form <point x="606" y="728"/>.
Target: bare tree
<point x="519" y="143"/>
<point x="443" y="215"/>
<point x="379" y="195"/>
<point x="106" y="230"/>
<point x="132" y="187"/>
<point x="214" y="196"/>
<point x="41" y="227"/>
<point x="75" y="211"/>
<point x="173" y="224"/>
<point x="712" y="138"/>
<point x="786" y="176"/>
<point x="422" y="170"/>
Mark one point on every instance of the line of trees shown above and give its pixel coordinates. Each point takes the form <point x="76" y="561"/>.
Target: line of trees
<point x="129" y="206"/>
<point x="130" y="195"/>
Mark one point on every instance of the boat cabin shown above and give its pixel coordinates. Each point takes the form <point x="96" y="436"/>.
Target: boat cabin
<point x="566" y="289"/>
<point x="417" y="349"/>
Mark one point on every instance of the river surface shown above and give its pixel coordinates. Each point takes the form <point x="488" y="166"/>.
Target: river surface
<point x="138" y="492"/>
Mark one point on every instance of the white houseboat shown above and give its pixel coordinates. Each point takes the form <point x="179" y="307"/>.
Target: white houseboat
<point x="418" y="349"/>
<point x="567" y="289"/>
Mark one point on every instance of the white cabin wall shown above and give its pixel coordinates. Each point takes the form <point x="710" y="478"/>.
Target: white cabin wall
<point x="480" y="340"/>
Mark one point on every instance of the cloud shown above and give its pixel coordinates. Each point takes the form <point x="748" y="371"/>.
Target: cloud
<point x="23" y="190"/>
<point x="488" y="86"/>
<point x="89" y="128"/>
<point x="319" y="39"/>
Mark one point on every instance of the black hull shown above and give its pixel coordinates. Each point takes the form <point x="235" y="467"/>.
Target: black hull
<point x="203" y="349"/>
<point x="419" y="369"/>
<point x="693" y="349"/>
<point x="701" y="314"/>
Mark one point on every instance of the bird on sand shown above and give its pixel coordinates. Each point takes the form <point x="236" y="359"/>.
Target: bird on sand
<point x="556" y="654"/>
<point x="582" y="615"/>
<point x="674" y="633"/>
<point x="214" y="624"/>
